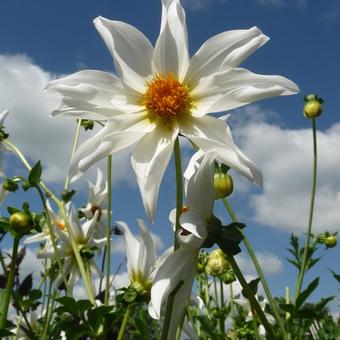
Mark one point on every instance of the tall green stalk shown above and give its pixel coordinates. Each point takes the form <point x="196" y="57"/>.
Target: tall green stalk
<point x="9" y="284"/>
<point x="124" y="323"/>
<point x="250" y="296"/>
<point x="179" y="188"/>
<point x="256" y="263"/>
<point x="108" y="231"/>
<point x="310" y="218"/>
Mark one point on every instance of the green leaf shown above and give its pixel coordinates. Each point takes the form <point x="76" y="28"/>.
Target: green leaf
<point x="70" y="304"/>
<point x="12" y="210"/>
<point x="67" y="195"/>
<point x="26" y="285"/>
<point x="335" y="275"/>
<point x="289" y="308"/>
<point x="253" y="285"/>
<point x="303" y="296"/>
<point x="34" y="175"/>
<point x="83" y="306"/>
<point x="5" y="332"/>
<point x="96" y="316"/>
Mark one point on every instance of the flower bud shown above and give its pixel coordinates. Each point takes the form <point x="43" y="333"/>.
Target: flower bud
<point x="10" y="185"/>
<point x="330" y="241"/>
<point x="202" y="262"/>
<point x="313" y="106"/>
<point x="86" y="252"/>
<point x="223" y="185"/>
<point x="21" y="222"/>
<point x="228" y="277"/>
<point x="217" y="263"/>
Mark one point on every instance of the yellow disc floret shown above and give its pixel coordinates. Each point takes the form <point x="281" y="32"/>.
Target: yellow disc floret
<point x="166" y="98"/>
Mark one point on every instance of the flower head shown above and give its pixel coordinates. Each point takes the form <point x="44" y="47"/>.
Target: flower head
<point x="161" y="92"/>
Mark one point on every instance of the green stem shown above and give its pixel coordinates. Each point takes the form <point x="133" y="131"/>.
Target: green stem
<point x="288" y="316"/>
<point x="255" y="325"/>
<point x="215" y="291"/>
<point x="232" y="309"/>
<point x="74" y="148"/>
<point x="108" y="231"/>
<point x="54" y="244"/>
<point x="222" y="319"/>
<point x="179" y="188"/>
<point x="48" y="313"/>
<point x="9" y="284"/>
<point x="250" y="296"/>
<point x="206" y="290"/>
<point x="257" y="266"/>
<point x="310" y="219"/>
<point x="124" y="324"/>
<point x="168" y="311"/>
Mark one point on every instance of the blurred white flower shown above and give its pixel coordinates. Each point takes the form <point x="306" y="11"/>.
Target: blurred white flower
<point x="3" y="116"/>
<point x="161" y="92"/>
<point x="86" y="243"/>
<point x="97" y="201"/>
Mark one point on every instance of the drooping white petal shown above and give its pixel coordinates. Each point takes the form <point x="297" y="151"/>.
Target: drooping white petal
<point x="194" y="222"/>
<point x="147" y="253"/>
<point x="227" y="48"/>
<point x="131" y="51"/>
<point x="111" y="139"/>
<point x="132" y="247"/>
<point x="236" y="87"/>
<point x="171" y="49"/>
<point x="189" y="240"/>
<point x="209" y="134"/>
<point x="149" y="159"/>
<point x="3" y="116"/>
<point x="173" y="270"/>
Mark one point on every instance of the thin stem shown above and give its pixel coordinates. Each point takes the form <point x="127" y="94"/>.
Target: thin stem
<point x="255" y="325"/>
<point x="206" y="290"/>
<point x="179" y="188"/>
<point x="102" y="270"/>
<point x="48" y="313"/>
<point x="310" y="219"/>
<point x="74" y="148"/>
<point x="288" y="316"/>
<point x="124" y="323"/>
<point x="9" y="284"/>
<point x="53" y="239"/>
<point x="108" y="231"/>
<point x="232" y="309"/>
<point x="222" y="319"/>
<point x="168" y="311"/>
<point x="250" y="296"/>
<point x="215" y="291"/>
<point x="257" y="266"/>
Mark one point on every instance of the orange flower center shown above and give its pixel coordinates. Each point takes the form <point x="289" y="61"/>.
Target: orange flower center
<point x="60" y="225"/>
<point x="166" y="98"/>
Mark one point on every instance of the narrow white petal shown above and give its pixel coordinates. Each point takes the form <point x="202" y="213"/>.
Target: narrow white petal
<point x="230" y="48"/>
<point x="132" y="247"/>
<point x="149" y="159"/>
<point x="3" y="116"/>
<point x="189" y="240"/>
<point x="237" y="87"/>
<point x="111" y="139"/>
<point x="147" y="254"/>
<point x="173" y="270"/>
<point x="131" y="51"/>
<point x="171" y="50"/>
<point x="212" y="135"/>
<point x="193" y="221"/>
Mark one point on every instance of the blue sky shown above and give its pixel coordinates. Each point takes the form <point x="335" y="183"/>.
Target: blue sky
<point x="41" y="40"/>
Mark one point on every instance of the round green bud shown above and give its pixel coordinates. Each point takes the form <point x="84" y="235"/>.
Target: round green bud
<point x="21" y="222"/>
<point x="10" y="185"/>
<point x="86" y="252"/>
<point x="217" y="263"/>
<point x="228" y="277"/>
<point x="330" y="241"/>
<point x="223" y="185"/>
<point x="313" y="106"/>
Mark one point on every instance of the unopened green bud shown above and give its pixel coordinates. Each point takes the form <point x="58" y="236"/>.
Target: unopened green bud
<point x="202" y="262"/>
<point x="228" y="277"/>
<point x="223" y="185"/>
<point x="217" y="263"/>
<point x="21" y="223"/>
<point x="86" y="252"/>
<point x="10" y="185"/>
<point x="313" y="106"/>
<point x="87" y="124"/>
<point x="330" y="241"/>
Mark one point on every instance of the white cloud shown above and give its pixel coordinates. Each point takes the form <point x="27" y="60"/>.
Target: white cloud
<point x="269" y="262"/>
<point x="201" y="4"/>
<point x="281" y="3"/>
<point x="285" y="158"/>
<point x="32" y="128"/>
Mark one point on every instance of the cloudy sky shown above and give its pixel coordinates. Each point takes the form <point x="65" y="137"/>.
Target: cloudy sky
<point x="40" y="41"/>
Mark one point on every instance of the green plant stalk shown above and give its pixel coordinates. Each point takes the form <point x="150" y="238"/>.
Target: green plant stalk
<point x="206" y="290"/>
<point x="222" y="320"/>
<point x="257" y="266"/>
<point x="215" y="291"/>
<point x="124" y="323"/>
<point x="253" y="302"/>
<point x="108" y="231"/>
<point x="232" y="308"/>
<point x="54" y="244"/>
<point x="310" y="218"/>
<point x="9" y="284"/>
<point x="255" y="325"/>
<point x="288" y="316"/>
<point x="179" y="188"/>
<point x="48" y="313"/>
